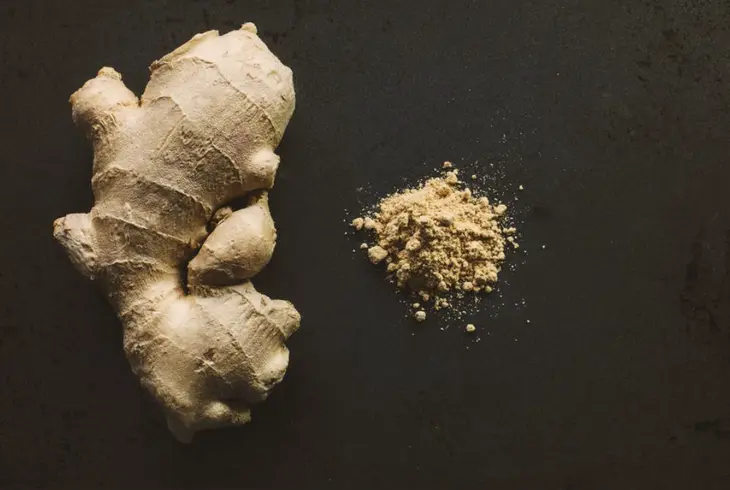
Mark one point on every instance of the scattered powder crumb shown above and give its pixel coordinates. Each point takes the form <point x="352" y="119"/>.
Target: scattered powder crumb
<point x="441" y="303"/>
<point x="474" y="177"/>
<point x="439" y="240"/>
<point x="420" y="315"/>
<point x="452" y="177"/>
<point x="471" y="328"/>
<point x="521" y="188"/>
<point x="369" y="224"/>
<point x="376" y="254"/>
<point x="363" y="246"/>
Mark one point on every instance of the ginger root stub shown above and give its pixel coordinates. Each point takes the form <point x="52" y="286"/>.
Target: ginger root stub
<point x="202" y="340"/>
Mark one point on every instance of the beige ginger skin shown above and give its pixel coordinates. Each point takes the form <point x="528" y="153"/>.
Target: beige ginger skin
<point x="203" y="341"/>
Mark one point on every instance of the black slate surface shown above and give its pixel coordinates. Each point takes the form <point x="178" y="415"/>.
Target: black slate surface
<point x="613" y="115"/>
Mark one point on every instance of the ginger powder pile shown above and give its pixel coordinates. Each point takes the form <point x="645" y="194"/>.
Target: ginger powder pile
<point x="439" y="240"/>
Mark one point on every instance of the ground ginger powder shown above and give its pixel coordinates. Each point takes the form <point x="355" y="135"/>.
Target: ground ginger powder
<point x="438" y="240"/>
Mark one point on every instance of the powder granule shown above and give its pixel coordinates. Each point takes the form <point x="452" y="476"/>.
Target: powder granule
<point x="376" y="254"/>
<point x="438" y="239"/>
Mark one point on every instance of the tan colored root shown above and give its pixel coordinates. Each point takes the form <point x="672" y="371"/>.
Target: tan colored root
<point x="203" y="134"/>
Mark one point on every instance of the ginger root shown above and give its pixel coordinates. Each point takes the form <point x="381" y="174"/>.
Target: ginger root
<point x="202" y="340"/>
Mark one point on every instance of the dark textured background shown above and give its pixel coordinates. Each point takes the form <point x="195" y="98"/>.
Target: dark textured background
<point x="612" y="114"/>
